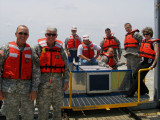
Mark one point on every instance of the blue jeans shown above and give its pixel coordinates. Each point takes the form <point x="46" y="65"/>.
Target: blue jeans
<point x="73" y="55"/>
<point x="92" y="62"/>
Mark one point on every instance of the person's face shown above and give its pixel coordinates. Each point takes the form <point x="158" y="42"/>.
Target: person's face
<point x="110" y="52"/>
<point x="147" y="36"/>
<point x="86" y="42"/>
<point x="108" y="33"/>
<point x="22" y="35"/>
<point x="128" y="28"/>
<point x="51" y="36"/>
<point x="74" y="32"/>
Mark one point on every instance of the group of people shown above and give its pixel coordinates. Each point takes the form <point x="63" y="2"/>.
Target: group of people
<point x="42" y="73"/>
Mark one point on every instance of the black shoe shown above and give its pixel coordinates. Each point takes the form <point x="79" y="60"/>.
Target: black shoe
<point x="126" y="96"/>
<point x="145" y="93"/>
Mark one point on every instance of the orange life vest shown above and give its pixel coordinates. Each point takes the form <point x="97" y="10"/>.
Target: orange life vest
<point x="73" y="42"/>
<point x="130" y="41"/>
<point x="109" y="42"/>
<point x="50" y="59"/>
<point x="146" y="49"/>
<point x="111" y="61"/>
<point x="18" y="64"/>
<point x="88" y="50"/>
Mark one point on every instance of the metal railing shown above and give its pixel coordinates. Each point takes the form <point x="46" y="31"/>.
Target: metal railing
<point x="139" y="76"/>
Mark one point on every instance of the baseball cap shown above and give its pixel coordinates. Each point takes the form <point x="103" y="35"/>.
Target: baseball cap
<point x="85" y="37"/>
<point x="74" y="28"/>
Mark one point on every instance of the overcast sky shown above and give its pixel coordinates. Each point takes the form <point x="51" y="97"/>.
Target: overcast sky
<point x="90" y="16"/>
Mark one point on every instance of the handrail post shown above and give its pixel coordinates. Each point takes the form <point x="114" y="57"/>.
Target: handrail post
<point x="139" y="76"/>
<point x="70" y="94"/>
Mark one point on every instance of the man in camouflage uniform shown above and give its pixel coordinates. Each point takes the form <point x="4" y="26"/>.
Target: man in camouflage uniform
<point x="19" y="93"/>
<point x="131" y="45"/>
<point x="112" y="42"/>
<point x="107" y="60"/>
<point x="50" y="89"/>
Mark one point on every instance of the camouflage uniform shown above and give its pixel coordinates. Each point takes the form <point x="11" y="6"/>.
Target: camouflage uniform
<point x="16" y="91"/>
<point x="115" y="50"/>
<point x="132" y="57"/>
<point x="104" y="60"/>
<point x="51" y="93"/>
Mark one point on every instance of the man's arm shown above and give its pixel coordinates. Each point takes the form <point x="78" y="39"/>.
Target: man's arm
<point x="137" y="36"/>
<point x="102" y="62"/>
<point x="119" y="47"/>
<point x="66" y="75"/>
<point x="101" y="45"/>
<point x="66" y="47"/>
<point x="36" y="73"/>
<point x="80" y="54"/>
<point x="4" y="51"/>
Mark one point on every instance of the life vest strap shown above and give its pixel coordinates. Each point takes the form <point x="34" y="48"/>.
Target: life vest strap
<point x="130" y="43"/>
<point x="53" y="67"/>
<point x="146" y="53"/>
<point x="52" y="50"/>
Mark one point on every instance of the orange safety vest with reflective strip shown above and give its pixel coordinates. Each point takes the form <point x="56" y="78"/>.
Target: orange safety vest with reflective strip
<point x="73" y="42"/>
<point x="111" y="61"/>
<point x="109" y="42"/>
<point x="50" y="59"/>
<point x="130" y="41"/>
<point x="18" y="64"/>
<point x="146" y="50"/>
<point x="88" y="50"/>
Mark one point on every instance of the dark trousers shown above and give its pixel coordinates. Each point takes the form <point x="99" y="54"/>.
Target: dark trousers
<point x="143" y="87"/>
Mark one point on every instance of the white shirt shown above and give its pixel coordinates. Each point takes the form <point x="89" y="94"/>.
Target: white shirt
<point x="80" y="49"/>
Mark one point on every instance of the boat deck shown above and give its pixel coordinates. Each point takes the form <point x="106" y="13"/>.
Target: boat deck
<point x="90" y="102"/>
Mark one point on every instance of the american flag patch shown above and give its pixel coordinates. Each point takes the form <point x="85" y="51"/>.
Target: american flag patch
<point x="1" y="52"/>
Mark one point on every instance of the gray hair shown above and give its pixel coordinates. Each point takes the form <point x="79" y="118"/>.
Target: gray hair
<point x="51" y="29"/>
<point x="22" y="26"/>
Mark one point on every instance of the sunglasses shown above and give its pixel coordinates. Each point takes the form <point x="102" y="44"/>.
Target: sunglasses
<point x="146" y="34"/>
<point x="21" y="33"/>
<point x="50" y="34"/>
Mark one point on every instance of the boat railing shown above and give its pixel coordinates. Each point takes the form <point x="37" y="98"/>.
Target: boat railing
<point x="139" y="76"/>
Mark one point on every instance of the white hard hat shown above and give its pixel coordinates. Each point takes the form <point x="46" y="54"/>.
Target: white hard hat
<point x="74" y="28"/>
<point x="85" y="37"/>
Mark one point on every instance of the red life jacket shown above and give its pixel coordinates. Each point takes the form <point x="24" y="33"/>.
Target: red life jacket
<point x="50" y="59"/>
<point x="111" y="61"/>
<point x="18" y="64"/>
<point x="130" y="41"/>
<point x="146" y="49"/>
<point x="88" y="51"/>
<point x="73" y="42"/>
<point x="109" y="42"/>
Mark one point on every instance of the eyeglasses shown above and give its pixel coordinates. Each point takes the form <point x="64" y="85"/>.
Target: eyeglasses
<point x="50" y="34"/>
<point x="21" y="33"/>
<point x="146" y="34"/>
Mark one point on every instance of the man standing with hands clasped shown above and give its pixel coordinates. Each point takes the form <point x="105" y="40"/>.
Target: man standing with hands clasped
<point x="54" y="69"/>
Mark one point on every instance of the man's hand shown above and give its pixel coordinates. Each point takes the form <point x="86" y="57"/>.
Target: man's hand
<point x="66" y="86"/>
<point x="33" y="95"/>
<point x="111" y="68"/>
<point x="119" y="57"/>
<point x="1" y="95"/>
<point x="89" y="60"/>
<point x="69" y="55"/>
